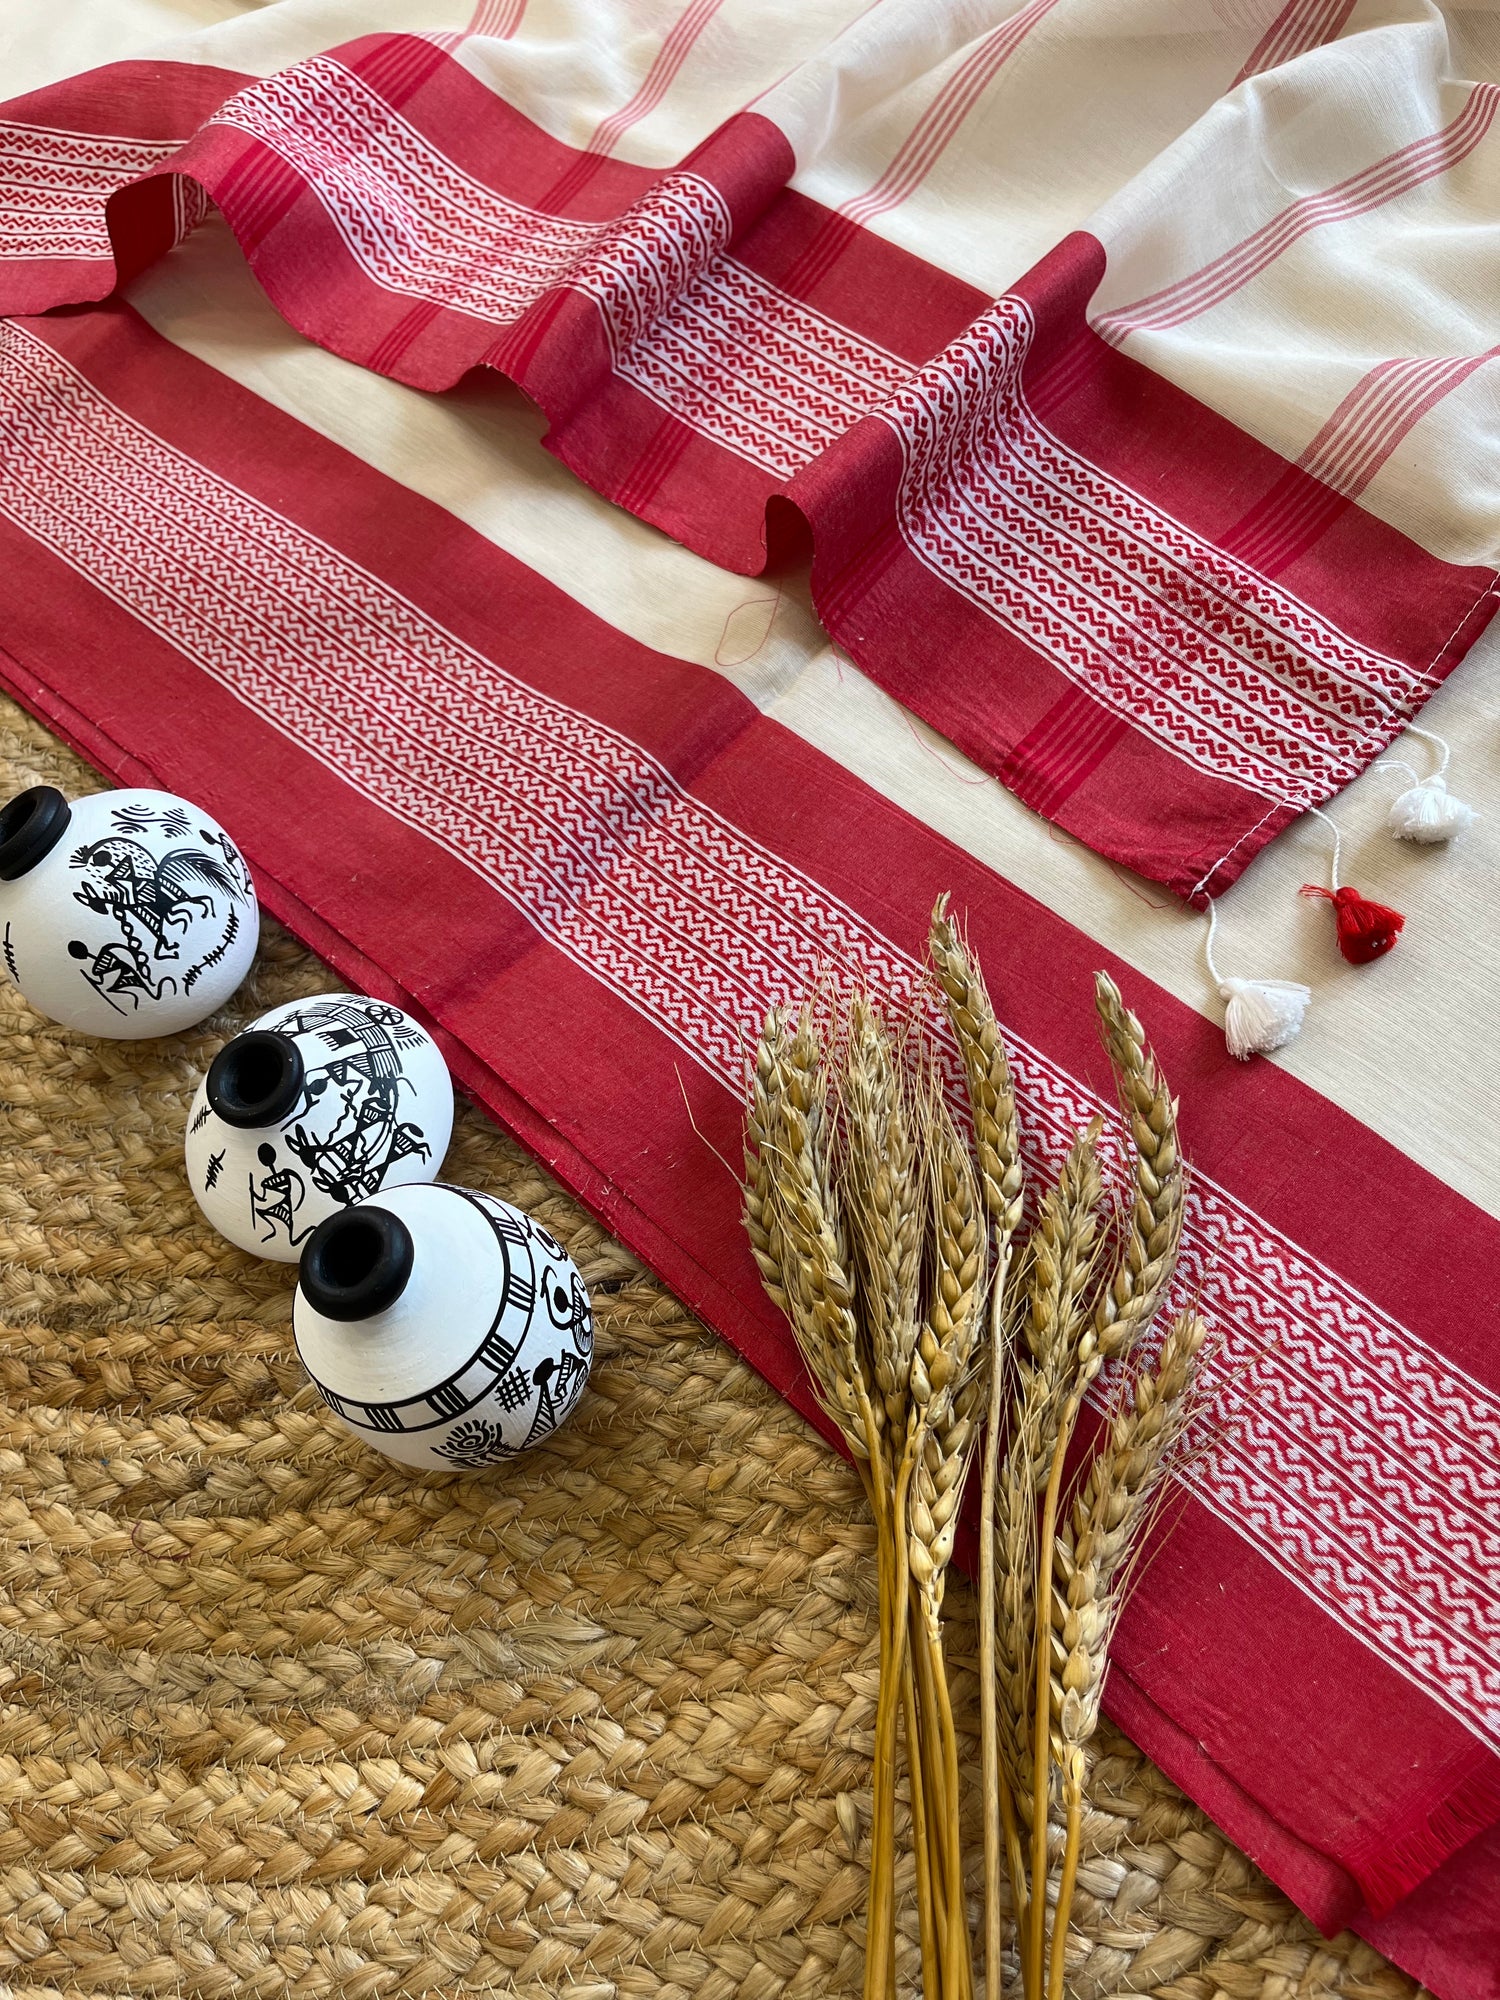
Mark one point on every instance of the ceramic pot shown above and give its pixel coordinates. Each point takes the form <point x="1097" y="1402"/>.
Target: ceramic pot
<point x="319" y="1103"/>
<point x="125" y="914"/>
<point x="443" y="1326"/>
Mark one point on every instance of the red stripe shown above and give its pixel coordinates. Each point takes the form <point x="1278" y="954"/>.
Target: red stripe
<point x="403" y="914"/>
<point x="920" y="151"/>
<point x="672" y="54"/>
<point x="1055" y="757"/>
<point x="1301" y="25"/>
<point x="930" y="136"/>
<point x="1379" y="412"/>
<point x="1368" y="425"/>
<point x="1398" y="174"/>
<point x="498" y="19"/>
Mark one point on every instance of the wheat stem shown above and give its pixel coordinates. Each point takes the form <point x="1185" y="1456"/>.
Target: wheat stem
<point x="957" y="1962"/>
<point x="997" y="1145"/>
<point x="1041" y="1733"/>
<point x="1068" y="1880"/>
<point x="929" y="1902"/>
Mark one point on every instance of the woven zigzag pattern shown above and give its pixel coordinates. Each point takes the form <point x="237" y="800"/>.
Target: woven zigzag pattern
<point x="53" y="186"/>
<point x="703" y="928"/>
<point x="277" y="1718"/>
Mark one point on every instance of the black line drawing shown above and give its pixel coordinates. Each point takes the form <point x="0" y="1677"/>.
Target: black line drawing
<point x="123" y="879"/>
<point x="205" y="1112"/>
<point x="513" y="1391"/>
<point x="277" y="1199"/>
<point x="233" y="859"/>
<point x="351" y="1159"/>
<point x="211" y="958"/>
<point x="213" y="1170"/>
<point x="154" y="902"/>
<point x="135" y="818"/>
<point x="118" y="970"/>
<point x="472" y="1445"/>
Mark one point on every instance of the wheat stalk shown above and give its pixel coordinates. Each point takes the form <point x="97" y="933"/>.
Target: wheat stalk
<point x="793" y="1220"/>
<point x="997" y="1146"/>
<point x="1090" y="1564"/>
<point x="1125" y="1307"/>
<point x="946" y="1399"/>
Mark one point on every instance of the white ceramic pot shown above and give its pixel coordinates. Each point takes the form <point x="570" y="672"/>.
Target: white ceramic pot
<point x="125" y="914"/>
<point x="442" y="1326"/>
<point x="318" y="1104"/>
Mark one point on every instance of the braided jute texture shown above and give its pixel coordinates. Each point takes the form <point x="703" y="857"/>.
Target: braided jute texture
<point x="278" y="1718"/>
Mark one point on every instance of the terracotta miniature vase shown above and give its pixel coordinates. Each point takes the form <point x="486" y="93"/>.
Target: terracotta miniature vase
<point x="124" y="914"/>
<point x="442" y="1326"/>
<point x="318" y="1104"/>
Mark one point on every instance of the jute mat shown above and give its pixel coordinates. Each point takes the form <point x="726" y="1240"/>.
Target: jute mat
<point x="280" y="1719"/>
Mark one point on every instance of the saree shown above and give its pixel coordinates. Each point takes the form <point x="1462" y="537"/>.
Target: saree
<point x="617" y="507"/>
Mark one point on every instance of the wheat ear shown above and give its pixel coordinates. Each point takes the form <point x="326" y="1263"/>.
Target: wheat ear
<point x="883" y="1124"/>
<point x="1153" y="1233"/>
<point x="1090" y="1566"/>
<point x="997" y="1146"/>
<point x="1056" y="1337"/>
<point x="946" y="1399"/>
<point x="793" y="1220"/>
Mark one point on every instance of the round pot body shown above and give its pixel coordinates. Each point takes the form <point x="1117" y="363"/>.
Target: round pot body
<point x="318" y="1104"/>
<point x="443" y="1327"/>
<point x="125" y="914"/>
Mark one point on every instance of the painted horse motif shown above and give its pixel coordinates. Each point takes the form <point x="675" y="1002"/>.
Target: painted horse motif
<point x="127" y="881"/>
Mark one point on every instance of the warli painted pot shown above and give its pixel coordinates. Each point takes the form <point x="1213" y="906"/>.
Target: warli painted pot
<point x="125" y="914"/>
<point x="318" y="1104"/>
<point x="442" y="1326"/>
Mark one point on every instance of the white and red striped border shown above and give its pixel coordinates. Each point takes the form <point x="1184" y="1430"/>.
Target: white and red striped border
<point x="1353" y="1456"/>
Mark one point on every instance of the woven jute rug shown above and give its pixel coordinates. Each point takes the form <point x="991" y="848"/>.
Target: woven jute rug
<point x="278" y="1718"/>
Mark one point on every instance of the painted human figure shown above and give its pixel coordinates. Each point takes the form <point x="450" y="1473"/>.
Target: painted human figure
<point x="118" y="970"/>
<point x="352" y="1161"/>
<point x="278" y="1197"/>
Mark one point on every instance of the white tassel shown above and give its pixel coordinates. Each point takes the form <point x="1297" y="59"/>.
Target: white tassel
<point x="1428" y="812"/>
<point x="1262" y="1014"/>
<point x="1259" y="1014"/>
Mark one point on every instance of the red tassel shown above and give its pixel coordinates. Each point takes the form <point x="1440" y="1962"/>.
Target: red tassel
<point x="1365" y="930"/>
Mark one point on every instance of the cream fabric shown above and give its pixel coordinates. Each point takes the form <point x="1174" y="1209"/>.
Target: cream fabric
<point x="1407" y="1045"/>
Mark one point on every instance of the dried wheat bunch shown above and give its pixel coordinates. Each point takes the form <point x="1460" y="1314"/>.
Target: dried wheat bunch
<point x="892" y="1248"/>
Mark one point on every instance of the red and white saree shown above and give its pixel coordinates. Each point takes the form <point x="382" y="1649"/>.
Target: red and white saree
<point x="1092" y="396"/>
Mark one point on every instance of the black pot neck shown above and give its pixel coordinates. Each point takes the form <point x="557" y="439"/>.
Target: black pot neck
<point x="256" y="1080"/>
<point x="356" y="1264"/>
<point x="31" y="825"/>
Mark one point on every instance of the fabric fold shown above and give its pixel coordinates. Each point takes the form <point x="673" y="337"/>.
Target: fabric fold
<point x="1152" y="627"/>
<point x="521" y="815"/>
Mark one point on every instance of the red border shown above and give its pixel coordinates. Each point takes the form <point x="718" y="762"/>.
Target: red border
<point x="1217" y="1648"/>
<point x="1061" y="751"/>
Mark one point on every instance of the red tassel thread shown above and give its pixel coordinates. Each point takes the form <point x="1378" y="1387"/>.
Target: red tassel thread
<point x="1365" y="930"/>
